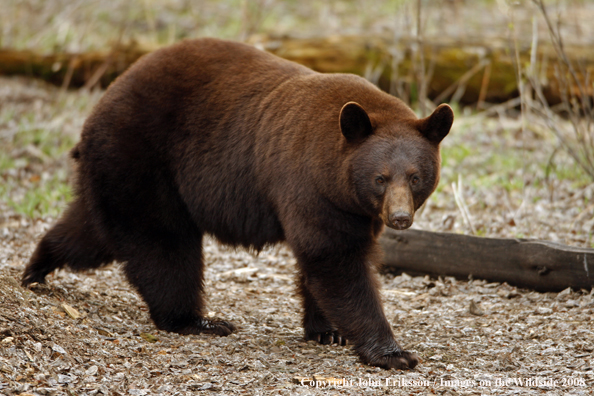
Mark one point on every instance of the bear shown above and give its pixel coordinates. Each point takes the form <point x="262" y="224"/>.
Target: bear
<point x="220" y="138"/>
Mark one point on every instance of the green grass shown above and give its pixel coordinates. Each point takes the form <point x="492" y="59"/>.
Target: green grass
<point x="499" y="164"/>
<point x="44" y="197"/>
<point x="574" y="173"/>
<point x="6" y="162"/>
<point x="49" y="142"/>
<point x="34" y="181"/>
<point x="35" y="138"/>
<point x="59" y="25"/>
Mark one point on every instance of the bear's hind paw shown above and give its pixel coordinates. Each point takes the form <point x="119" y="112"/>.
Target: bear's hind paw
<point x="206" y="326"/>
<point x="326" y="337"/>
<point x="398" y="360"/>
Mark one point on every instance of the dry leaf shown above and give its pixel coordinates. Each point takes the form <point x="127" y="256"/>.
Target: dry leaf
<point x="73" y="313"/>
<point x="475" y="309"/>
<point x="301" y="380"/>
<point x="104" y="333"/>
<point x="149" y="337"/>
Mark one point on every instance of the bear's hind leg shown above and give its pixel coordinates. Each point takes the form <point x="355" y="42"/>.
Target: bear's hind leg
<point x="73" y="241"/>
<point x="315" y="324"/>
<point x="169" y="276"/>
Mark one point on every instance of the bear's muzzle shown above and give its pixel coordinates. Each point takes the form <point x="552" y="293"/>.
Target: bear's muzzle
<point x="398" y="211"/>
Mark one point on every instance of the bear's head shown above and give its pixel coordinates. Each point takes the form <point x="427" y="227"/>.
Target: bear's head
<point x="396" y="161"/>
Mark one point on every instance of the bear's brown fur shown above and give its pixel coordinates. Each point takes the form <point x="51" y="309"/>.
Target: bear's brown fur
<point x="216" y="137"/>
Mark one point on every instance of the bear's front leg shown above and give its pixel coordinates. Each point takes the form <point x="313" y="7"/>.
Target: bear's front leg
<point x="343" y="284"/>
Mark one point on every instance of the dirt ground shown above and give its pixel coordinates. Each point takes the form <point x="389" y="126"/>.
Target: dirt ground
<point x="86" y="334"/>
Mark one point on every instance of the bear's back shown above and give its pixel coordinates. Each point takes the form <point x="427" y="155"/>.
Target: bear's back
<point x="171" y="139"/>
<point x="218" y="133"/>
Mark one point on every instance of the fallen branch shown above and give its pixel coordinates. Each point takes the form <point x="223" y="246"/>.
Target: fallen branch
<point x="538" y="265"/>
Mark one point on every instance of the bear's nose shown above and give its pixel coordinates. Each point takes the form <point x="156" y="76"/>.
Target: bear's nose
<point x="401" y="220"/>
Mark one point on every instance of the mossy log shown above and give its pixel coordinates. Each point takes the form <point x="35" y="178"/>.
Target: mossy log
<point x="71" y="70"/>
<point x="470" y="71"/>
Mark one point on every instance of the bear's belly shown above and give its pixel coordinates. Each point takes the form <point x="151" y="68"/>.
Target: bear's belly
<point x="240" y="218"/>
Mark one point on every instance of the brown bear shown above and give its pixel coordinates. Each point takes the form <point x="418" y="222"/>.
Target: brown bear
<point x="216" y="137"/>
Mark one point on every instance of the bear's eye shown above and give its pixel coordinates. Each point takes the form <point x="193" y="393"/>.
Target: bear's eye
<point x="380" y="180"/>
<point x="415" y="180"/>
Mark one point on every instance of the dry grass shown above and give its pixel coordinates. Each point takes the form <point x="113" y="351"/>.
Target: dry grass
<point x="81" y="25"/>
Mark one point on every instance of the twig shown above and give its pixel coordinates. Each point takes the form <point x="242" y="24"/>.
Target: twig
<point x="558" y="45"/>
<point x="575" y="96"/>
<point x="459" y="198"/>
<point x="69" y="73"/>
<point x="99" y="72"/>
<point x="551" y="164"/>
<point x="585" y="213"/>
<point x="498" y="108"/>
<point x="484" y="84"/>
<point x="462" y="81"/>
<point x="421" y="78"/>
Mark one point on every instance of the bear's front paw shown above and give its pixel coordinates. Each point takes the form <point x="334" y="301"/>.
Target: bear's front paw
<point x="33" y="276"/>
<point x="326" y="337"/>
<point x="399" y="360"/>
<point x="206" y="326"/>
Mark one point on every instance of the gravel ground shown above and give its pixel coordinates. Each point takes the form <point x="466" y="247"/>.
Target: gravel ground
<point x="90" y="333"/>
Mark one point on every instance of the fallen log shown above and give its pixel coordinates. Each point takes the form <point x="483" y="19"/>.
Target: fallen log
<point x="467" y="71"/>
<point x="71" y="70"/>
<point x="539" y="265"/>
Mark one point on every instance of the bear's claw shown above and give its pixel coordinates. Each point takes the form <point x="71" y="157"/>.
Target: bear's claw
<point x="32" y="277"/>
<point x="327" y="337"/>
<point x="207" y="326"/>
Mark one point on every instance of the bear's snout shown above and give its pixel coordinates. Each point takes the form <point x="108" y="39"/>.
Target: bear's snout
<point x="400" y="220"/>
<point x="398" y="209"/>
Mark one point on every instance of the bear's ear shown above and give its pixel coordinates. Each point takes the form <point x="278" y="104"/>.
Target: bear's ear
<point x="354" y="122"/>
<point x="438" y="124"/>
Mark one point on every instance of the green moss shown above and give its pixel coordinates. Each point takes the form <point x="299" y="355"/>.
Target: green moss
<point x="39" y="188"/>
